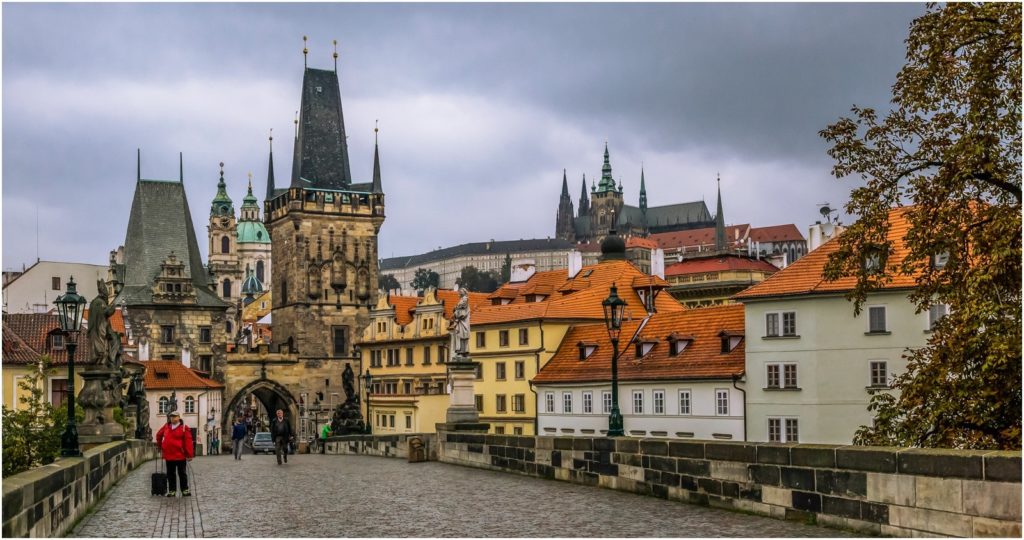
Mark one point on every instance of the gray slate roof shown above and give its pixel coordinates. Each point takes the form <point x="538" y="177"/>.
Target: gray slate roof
<point x="159" y="223"/>
<point x="476" y="248"/>
<point x="671" y="214"/>
<point x="321" y="150"/>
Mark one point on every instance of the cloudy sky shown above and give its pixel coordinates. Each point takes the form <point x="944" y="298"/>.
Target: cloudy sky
<point x="480" y="108"/>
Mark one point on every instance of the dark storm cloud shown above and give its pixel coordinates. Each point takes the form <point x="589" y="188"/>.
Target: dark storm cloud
<point x="481" y="106"/>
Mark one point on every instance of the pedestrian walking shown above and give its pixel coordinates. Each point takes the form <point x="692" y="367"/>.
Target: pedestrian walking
<point x="325" y="432"/>
<point x="281" y="431"/>
<point x="175" y="443"/>
<point x="238" y="432"/>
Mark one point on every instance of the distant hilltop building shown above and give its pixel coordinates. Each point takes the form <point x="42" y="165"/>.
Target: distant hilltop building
<point x="603" y="210"/>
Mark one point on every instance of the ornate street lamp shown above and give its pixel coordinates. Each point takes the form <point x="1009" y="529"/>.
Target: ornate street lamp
<point x="367" y="379"/>
<point x="69" y="312"/>
<point x="613" y="310"/>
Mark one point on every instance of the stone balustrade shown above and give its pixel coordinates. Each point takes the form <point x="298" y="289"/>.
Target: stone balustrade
<point x="48" y="500"/>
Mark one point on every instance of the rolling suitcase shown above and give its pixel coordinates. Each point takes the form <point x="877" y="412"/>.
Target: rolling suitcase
<point x="159" y="481"/>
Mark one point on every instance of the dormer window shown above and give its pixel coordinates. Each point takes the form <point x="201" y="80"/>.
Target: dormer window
<point x="873" y="260"/>
<point x="939" y="260"/>
<point x="163" y="375"/>
<point x="729" y="341"/>
<point x="677" y="343"/>
<point x="586" y="349"/>
<point x="643" y="347"/>
<point x="57" y="342"/>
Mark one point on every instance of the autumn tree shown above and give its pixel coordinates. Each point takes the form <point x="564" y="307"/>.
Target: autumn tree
<point x="950" y="149"/>
<point x="424" y="279"/>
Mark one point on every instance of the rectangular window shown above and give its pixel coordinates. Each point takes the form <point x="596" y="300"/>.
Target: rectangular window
<point x="773" y="378"/>
<point x="205" y="334"/>
<point x="58" y="392"/>
<point x="549" y="402"/>
<point x="684" y="402"/>
<point x="879" y="373"/>
<point x="481" y="340"/>
<point x="442" y="354"/>
<point x="407" y="388"/>
<point x="517" y="430"/>
<point x="606" y="402"/>
<point x="408" y="421"/>
<point x="408" y="356"/>
<point x="792" y="430"/>
<point x="499" y="371"/>
<point x="774" y="430"/>
<point x="659" y="401"/>
<point x="771" y="324"/>
<point x="524" y="336"/>
<point x="876" y="319"/>
<point x="499" y="403"/>
<point x="479" y="372"/>
<point x="478" y="400"/>
<point x="206" y="363"/>
<point x="935" y="313"/>
<point x="789" y="323"/>
<point x="588" y="402"/>
<point x="340" y="340"/>
<point x="391" y="419"/>
<point x="426" y="355"/>
<point x="638" y="401"/>
<point x="503" y="338"/>
<point x="722" y="402"/>
<point x="789" y="375"/>
<point x="190" y="405"/>
<point x="55" y="283"/>
<point x="57" y="342"/>
<point x="519" y="403"/>
<point x="167" y="334"/>
<point x="520" y="369"/>
<point x="499" y="430"/>
<point x="567" y="402"/>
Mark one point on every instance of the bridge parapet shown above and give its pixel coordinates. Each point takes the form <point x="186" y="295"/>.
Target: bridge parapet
<point x="382" y="445"/>
<point x="48" y="500"/>
<point x="889" y="491"/>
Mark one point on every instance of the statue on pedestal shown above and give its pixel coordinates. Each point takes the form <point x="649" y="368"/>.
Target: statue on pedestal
<point x="347" y="417"/>
<point x="101" y="390"/>
<point x="104" y="342"/>
<point x="458" y="328"/>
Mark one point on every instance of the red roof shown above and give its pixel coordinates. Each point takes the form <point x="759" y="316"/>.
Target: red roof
<point x="405" y="306"/>
<point x="776" y="233"/>
<point x="718" y="263"/>
<point x="701" y="359"/>
<point x="698" y="237"/>
<point x="33" y="330"/>
<point x="806" y="275"/>
<point x="173" y="375"/>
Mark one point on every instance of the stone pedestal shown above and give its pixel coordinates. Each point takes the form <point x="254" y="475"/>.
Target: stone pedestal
<point x="100" y="393"/>
<point x="462" y="408"/>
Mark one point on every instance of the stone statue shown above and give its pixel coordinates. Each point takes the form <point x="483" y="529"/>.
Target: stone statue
<point x="347" y="380"/>
<point x="172" y="403"/>
<point x="104" y="343"/>
<point x="459" y="327"/>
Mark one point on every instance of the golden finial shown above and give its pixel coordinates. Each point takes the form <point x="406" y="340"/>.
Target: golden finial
<point x="305" y="51"/>
<point x="335" y="56"/>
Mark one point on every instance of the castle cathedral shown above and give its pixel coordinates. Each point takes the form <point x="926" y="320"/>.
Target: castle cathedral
<point x="604" y="210"/>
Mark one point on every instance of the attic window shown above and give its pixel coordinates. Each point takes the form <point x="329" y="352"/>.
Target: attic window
<point x="587" y="273"/>
<point x="535" y="298"/>
<point x="678" y="343"/>
<point x="586" y="349"/>
<point x="163" y="375"/>
<point x="873" y="260"/>
<point x="730" y="341"/>
<point x="57" y="342"/>
<point x="643" y="347"/>
<point x="939" y="260"/>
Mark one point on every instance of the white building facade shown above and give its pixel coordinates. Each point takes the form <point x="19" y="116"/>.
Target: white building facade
<point x="35" y="290"/>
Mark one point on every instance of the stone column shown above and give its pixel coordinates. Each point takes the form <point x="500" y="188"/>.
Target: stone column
<point x="462" y="414"/>
<point x="100" y="393"/>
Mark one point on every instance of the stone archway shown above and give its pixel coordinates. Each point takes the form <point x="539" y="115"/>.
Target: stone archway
<point x="271" y="395"/>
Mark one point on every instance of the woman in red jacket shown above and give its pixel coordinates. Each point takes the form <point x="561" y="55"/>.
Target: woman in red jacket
<point x="175" y="443"/>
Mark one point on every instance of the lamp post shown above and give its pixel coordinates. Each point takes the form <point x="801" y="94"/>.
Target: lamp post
<point x="69" y="309"/>
<point x="613" y="309"/>
<point x="367" y="379"/>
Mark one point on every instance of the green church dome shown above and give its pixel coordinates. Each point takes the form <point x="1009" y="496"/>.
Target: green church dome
<point x="252" y="232"/>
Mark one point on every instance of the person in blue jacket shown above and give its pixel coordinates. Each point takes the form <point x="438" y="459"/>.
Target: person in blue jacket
<point x="238" y="431"/>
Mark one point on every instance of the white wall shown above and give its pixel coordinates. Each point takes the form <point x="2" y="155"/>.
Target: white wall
<point x="703" y="421"/>
<point x="833" y="355"/>
<point x="33" y="291"/>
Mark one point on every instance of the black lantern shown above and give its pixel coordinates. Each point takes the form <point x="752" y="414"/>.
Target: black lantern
<point x="367" y="380"/>
<point x="69" y="313"/>
<point x="613" y="310"/>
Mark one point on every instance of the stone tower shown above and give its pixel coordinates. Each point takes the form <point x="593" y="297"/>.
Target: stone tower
<point x="564" y="221"/>
<point x="323" y="231"/>
<point x="225" y="270"/>
<point x="605" y="201"/>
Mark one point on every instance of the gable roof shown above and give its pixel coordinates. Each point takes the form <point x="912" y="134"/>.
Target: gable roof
<point x="718" y="263"/>
<point x="405" y="306"/>
<point x="33" y="330"/>
<point x="776" y="233"/>
<point x="320" y="159"/>
<point x="806" y="275"/>
<point x="699" y="237"/>
<point x="701" y="359"/>
<point x="173" y="375"/>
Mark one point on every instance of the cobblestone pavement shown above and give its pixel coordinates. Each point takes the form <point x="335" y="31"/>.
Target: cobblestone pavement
<point x="365" y="496"/>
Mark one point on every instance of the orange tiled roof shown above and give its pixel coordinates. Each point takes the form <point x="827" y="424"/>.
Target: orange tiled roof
<point x="580" y="297"/>
<point x="15" y="350"/>
<point x="173" y="375"/>
<point x="702" y="358"/>
<point x="697" y="237"/>
<point x="805" y="276"/>
<point x="636" y="241"/>
<point x="405" y="306"/>
<point x="718" y="263"/>
<point x="34" y="331"/>
<point x="776" y="233"/>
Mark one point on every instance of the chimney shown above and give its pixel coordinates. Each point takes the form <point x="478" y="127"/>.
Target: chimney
<point x="658" y="263"/>
<point x="522" y="270"/>
<point x="575" y="263"/>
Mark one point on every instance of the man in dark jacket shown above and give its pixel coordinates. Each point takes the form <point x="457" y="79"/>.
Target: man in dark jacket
<point x="281" y="431"/>
<point x="237" y="436"/>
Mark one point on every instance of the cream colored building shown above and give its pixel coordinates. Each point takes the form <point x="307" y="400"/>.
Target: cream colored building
<point x="35" y="290"/>
<point x="199" y="400"/>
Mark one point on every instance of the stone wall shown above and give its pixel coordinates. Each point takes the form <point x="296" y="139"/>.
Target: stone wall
<point x="48" y="500"/>
<point x="889" y="491"/>
<point x="382" y="445"/>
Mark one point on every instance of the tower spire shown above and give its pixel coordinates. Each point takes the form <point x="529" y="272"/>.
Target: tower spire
<point x="584" y="199"/>
<point x="335" y="56"/>
<point x="270" y="169"/>
<point x="181" y="169"/>
<point x="607" y="183"/>
<point x="305" y="52"/>
<point x="138" y="164"/>
<point x="643" y="190"/>
<point x="719" y="220"/>
<point x="377" y="187"/>
<point x="565" y="185"/>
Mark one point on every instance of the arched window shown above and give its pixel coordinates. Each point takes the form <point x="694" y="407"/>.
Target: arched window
<point x="225" y="244"/>
<point x="229" y="327"/>
<point x="163" y="405"/>
<point x="190" y="404"/>
<point x="259" y="271"/>
<point x="227" y="289"/>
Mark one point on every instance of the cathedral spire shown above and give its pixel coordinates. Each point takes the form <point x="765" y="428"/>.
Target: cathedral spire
<point x="377" y="187"/>
<point x="138" y="164"/>
<point x="181" y="168"/>
<point x="720" y="244"/>
<point x="270" y="169"/>
<point x="607" y="183"/>
<point x="565" y="184"/>
<point x="643" y="190"/>
<point x="584" y="199"/>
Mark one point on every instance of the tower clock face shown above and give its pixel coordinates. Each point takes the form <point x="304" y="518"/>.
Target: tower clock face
<point x="224" y="221"/>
